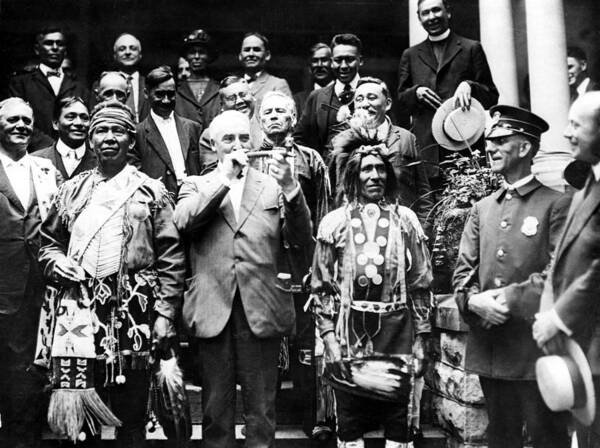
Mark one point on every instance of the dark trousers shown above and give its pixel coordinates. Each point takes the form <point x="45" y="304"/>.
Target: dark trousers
<point x="237" y="354"/>
<point x="510" y="404"/>
<point x="21" y="398"/>
<point x="357" y="415"/>
<point x="589" y="437"/>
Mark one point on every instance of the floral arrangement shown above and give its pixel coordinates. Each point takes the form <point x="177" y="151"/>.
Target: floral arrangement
<point x="467" y="181"/>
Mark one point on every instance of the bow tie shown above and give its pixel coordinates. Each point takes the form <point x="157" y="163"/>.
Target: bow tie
<point x="52" y="73"/>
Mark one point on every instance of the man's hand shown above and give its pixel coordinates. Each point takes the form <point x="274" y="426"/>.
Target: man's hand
<point x="333" y="357"/>
<point x="67" y="273"/>
<point x="462" y="96"/>
<point x="544" y="328"/>
<point x="163" y="333"/>
<point x="280" y="169"/>
<point x="234" y="163"/>
<point x="427" y="96"/>
<point x="419" y="351"/>
<point x="488" y="308"/>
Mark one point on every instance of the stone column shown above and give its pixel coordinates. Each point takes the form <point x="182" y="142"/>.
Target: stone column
<point x="416" y="33"/>
<point x="497" y="37"/>
<point x="547" y="56"/>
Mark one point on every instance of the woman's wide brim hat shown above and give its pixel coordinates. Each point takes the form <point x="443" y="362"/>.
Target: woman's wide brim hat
<point x="377" y="377"/>
<point x="456" y="129"/>
<point x="565" y="382"/>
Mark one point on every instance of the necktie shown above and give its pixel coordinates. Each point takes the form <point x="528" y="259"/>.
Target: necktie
<point x="52" y="73"/>
<point x="347" y="95"/>
<point x="72" y="155"/>
<point x="130" y="102"/>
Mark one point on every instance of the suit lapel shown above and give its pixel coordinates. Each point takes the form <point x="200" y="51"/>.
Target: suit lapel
<point x="58" y="163"/>
<point x="212" y="90"/>
<point x="157" y="143"/>
<point x="453" y="47"/>
<point x="7" y="190"/>
<point x="252" y="189"/>
<point x="41" y="79"/>
<point x="184" y="137"/>
<point x="580" y="213"/>
<point x="185" y="91"/>
<point x="426" y="55"/>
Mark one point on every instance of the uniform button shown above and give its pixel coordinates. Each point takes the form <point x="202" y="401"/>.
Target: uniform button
<point x="500" y="253"/>
<point x="498" y="282"/>
<point x="168" y="172"/>
<point x="504" y="224"/>
<point x="508" y="196"/>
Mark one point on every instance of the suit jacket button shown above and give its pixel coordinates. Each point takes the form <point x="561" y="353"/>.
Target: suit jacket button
<point x="500" y="254"/>
<point x="504" y="224"/>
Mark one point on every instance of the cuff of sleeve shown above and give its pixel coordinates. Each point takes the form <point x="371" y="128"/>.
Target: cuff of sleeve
<point x="226" y="182"/>
<point x="292" y="195"/>
<point x="559" y="322"/>
<point x="326" y="327"/>
<point x="164" y="309"/>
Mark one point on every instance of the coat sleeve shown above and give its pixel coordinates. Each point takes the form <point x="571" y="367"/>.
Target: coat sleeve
<point x="197" y="206"/>
<point x="297" y="226"/>
<point x="482" y="85"/>
<point x="306" y="132"/>
<point x="134" y="156"/>
<point x="465" y="280"/>
<point x="283" y="87"/>
<point x="169" y="256"/>
<point x="407" y="96"/>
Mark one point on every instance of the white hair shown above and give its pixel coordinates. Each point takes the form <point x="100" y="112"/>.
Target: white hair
<point x="222" y="120"/>
<point x="13" y="100"/>
<point x="288" y="103"/>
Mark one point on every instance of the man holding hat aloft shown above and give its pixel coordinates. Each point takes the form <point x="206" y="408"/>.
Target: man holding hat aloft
<point x="509" y="235"/>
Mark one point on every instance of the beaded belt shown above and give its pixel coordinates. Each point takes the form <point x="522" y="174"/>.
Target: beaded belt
<point x="377" y="307"/>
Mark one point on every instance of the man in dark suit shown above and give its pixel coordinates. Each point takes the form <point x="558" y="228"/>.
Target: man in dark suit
<point x="320" y="73"/>
<point x="167" y="144"/>
<point x="41" y="86"/>
<point x="508" y="236"/>
<point x="255" y="52"/>
<point x="318" y="123"/>
<point x="579" y="80"/>
<point x="444" y="65"/>
<point x="27" y="185"/>
<point x="70" y="154"/>
<point x="569" y="303"/>
<point x="198" y="95"/>
<point x="237" y="305"/>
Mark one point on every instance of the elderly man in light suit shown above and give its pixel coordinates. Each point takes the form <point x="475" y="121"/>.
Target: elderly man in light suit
<point x="237" y="220"/>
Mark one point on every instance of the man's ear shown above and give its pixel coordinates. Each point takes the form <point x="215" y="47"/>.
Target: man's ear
<point x="146" y="93"/>
<point x="388" y="104"/>
<point x="55" y="125"/>
<point x="212" y="145"/>
<point x="361" y="61"/>
<point x="583" y="65"/>
<point x="525" y="148"/>
<point x="36" y="49"/>
<point x="267" y="56"/>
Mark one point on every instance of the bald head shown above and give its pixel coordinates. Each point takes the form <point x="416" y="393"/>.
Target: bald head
<point x="112" y="86"/>
<point x="16" y="127"/>
<point x="229" y="131"/>
<point x="127" y="52"/>
<point x="583" y="130"/>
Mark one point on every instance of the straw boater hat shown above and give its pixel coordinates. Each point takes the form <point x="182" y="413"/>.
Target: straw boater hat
<point x="456" y="129"/>
<point x="565" y="382"/>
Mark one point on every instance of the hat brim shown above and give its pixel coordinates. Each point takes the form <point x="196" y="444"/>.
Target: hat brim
<point x="586" y="413"/>
<point x="437" y="125"/>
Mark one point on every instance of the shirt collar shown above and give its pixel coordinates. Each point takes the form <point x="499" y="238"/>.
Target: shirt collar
<point x="581" y="88"/>
<point x="121" y="179"/>
<point x="250" y="78"/>
<point x="339" y="85"/>
<point x="237" y="179"/>
<point x="523" y="181"/>
<point x="134" y="76"/>
<point x="158" y="119"/>
<point x="7" y="161"/>
<point x="45" y="69"/>
<point x="441" y="37"/>
<point x="317" y="86"/>
<point x="596" y="171"/>
<point x="63" y="149"/>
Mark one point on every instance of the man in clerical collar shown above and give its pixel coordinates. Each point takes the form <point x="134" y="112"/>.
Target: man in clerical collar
<point x="318" y="123"/>
<point x="320" y="73"/>
<point x="127" y="54"/>
<point x="42" y="85"/>
<point x="579" y="80"/>
<point x="166" y="144"/>
<point x="509" y="235"/>
<point x="445" y="65"/>
<point x="70" y="154"/>
<point x="255" y="52"/>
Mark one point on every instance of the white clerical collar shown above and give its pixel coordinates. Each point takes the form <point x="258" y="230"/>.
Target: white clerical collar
<point x="158" y="119"/>
<point x="64" y="150"/>
<point x="7" y="161"/>
<point x="339" y="85"/>
<point x="523" y="181"/>
<point x="582" y="87"/>
<point x="439" y="37"/>
<point x="596" y="171"/>
<point x="45" y="69"/>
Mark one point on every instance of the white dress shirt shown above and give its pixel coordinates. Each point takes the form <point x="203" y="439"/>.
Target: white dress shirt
<point x="168" y="132"/>
<point x="71" y="157"/>
<point x="55" y="81"/>
<point x="236" y="189"/>
<point x="583" y="85"/>
<point x="19" y="176"/>
<point x="339" y="85"/>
